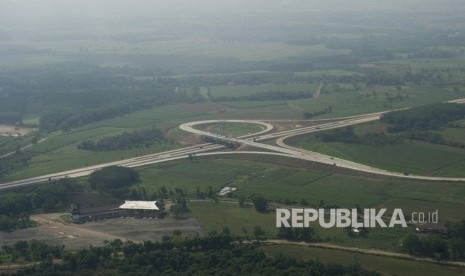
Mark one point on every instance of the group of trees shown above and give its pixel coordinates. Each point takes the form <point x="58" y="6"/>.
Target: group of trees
<point x="426" y="117"/>
<point x="175" y="255"/>
<point x="31" y="251"/>
<point x="438" y="247"/>
<point x="15" y="207"/>
<point x="113" y="179"/>
<point x="12" y="107"/>
<point x="434" y="138"/>
<point x="73" y="94"/>
<point x="10" y="117"/>
<point x="260" y="203"/>
<point x="266" y="96"/>
<point x="67" y="118"/>
<point x="134" y="139"/>
<point x="457" y="240"/>
<point x="309" y="115"/>
<point x="14" y="162"/>
<point x="179" y="206"/>
<point x="430" y="246"/>
<point x="348" y="135"/>
<point x="417" y="43"/>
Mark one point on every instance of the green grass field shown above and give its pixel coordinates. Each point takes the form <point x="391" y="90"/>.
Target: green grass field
<point x="231" y="129"/>
<point x="240" y="221"/>
<point x="188" y="45"/>
<point x="248" y="90"/>
<point x="344" y="103"/>
<point x="384" y="265"/>
<point x="415" y="157"/>
<point x="189" y="175"/>
<point x="453" y="134"/>
<point x="277" y="183"/>
<point x="6" y="144"/>
<point x="58" y="151"/>
<point x="215" y="216"/>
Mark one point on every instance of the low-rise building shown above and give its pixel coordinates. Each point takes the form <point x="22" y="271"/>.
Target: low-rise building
<point x="129" y="208"/>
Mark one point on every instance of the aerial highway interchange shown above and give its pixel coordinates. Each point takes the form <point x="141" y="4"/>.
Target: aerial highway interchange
<point x="253" y="141"/>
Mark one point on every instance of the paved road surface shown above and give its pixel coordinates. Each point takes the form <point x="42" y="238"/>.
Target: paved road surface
<point x="250" y="140"/>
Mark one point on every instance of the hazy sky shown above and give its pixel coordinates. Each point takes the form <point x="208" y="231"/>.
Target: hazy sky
<point x="68" y="26"/>
<point x="36" y="16"/>
<point x="64" y="8"/>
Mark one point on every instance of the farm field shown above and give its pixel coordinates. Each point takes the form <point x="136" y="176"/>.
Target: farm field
<point x="416" y="157"/>
<point x="249" y="90"/>
<point x="386" y="266"/>
<point x="284" y="184"/>
<point x="241" y="221"/>
<point x="98" y="82"/>
<point x="62" y="152"/>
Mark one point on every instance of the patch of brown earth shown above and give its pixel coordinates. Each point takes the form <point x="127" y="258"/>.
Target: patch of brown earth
<point x="8" y="130"/>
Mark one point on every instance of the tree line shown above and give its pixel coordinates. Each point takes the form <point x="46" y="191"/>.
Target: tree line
<point x="348" y="135"/>
<point x="449" y="247"/>
<point x="72" y="117"/>
<point x="15" y="207"/>
<point x="76" y="94"/>
<point x="113" y="179"/>
<point x="310" y="115"/>
<point x="266" y="96"/>
<point x="434" y="138"/>
<point x="127" y="140"/>
<point x="425" y="117"/>
<point x="215" y="253"/>
<point x="14" y="162"/>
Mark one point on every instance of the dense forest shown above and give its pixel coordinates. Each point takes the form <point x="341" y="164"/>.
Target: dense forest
<point x="213" y="254"/>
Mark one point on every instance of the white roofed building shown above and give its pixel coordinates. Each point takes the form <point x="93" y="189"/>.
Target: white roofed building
<point x="139" y="205"/>
<point x="140" y="208"/>
<point x="130" y="208"/>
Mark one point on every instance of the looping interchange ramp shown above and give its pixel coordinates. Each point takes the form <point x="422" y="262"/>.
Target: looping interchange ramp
<point x="217" y="144"/>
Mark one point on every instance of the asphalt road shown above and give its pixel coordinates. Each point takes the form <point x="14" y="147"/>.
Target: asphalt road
<point x="309" y="155"/>
<point x="252" y="140"/>
<point x="131" y="162"/>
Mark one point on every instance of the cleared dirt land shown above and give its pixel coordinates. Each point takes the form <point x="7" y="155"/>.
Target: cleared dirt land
<point x="6" y="130"/>
<point x="53" y="230"/>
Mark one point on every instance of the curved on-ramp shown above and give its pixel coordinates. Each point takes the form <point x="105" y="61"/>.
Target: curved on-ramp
<point x="189" y="127"/>
<point x="284" y="149"/>
<point x="251" y="140"/>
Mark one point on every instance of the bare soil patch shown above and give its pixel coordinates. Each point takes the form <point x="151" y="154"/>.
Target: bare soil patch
<point x="7" y="130"/>
<point x="54" y="231"/>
